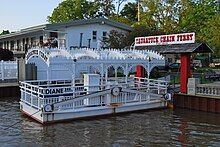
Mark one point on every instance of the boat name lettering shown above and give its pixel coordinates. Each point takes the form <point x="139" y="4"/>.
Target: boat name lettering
<point x="54" y="91"/>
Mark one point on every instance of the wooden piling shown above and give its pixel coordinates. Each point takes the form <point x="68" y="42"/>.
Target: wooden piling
<point x="9" y="90"/>
<point x="197" y="102"/>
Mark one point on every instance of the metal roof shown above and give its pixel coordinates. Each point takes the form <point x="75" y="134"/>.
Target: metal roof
<point x="178" y="48"/>
<point x="90" y="21"/>
<point x="25" y="31"/>
<point x="56" y="26"/>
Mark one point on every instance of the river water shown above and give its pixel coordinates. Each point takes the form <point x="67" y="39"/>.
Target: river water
<point x="150" y="128"/>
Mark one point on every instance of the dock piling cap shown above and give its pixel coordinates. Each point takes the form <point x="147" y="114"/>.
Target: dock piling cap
<point x="48" y="108"/>
<point x="115" y="91"/>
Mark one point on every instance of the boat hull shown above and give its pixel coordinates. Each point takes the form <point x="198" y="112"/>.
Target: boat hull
<point x="117" y="108"/>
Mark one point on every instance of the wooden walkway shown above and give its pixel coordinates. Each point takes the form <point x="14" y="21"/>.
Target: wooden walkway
<point x="9" y="90"/>
<point x="9" y="84"/>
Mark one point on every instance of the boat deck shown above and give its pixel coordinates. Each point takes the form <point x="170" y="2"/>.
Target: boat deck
<point x="59" y="100"/>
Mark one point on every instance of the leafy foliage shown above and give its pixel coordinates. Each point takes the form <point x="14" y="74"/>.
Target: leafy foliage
<point x="105" y="8"/>
<point x="120" y="40"/>
<point x="130" y="11"/>
<point x="5" y="32"/>
<point x="72" y="9"/>
<point x="116" y="39"/>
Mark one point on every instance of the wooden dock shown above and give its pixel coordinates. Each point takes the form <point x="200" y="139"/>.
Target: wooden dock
<point x="9" y="90"/>
<point x="197" y="102"/>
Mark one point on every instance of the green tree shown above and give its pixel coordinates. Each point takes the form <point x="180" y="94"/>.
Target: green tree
<point x="160" y="14"/>
<point x="120" y="40"/>
<point x="196" y="15"/>
<point x="202" y="17"/>
<point x="130" y="11"/>
<point x="5" y="32"/>
<point x="105" y="8"/>
<point x="211" y="34"/>
<point x="122" y="19"/>
<point x="119" y="3"/>
<point x="116" y="39"/>
<point x="72" y="9"/>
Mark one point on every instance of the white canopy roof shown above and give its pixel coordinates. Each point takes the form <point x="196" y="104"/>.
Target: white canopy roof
<point x="75" y="62"/>
<point x="86" y="53"/>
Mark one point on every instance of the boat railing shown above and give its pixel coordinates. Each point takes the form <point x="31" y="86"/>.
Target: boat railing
<point x="106" y="98"/>
<point x="31" y="94"/>
<point x="39" y="93"/>
<point x="152" y="85"/>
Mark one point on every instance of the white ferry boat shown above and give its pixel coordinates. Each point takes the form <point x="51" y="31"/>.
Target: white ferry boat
<point x="84" y="82"/>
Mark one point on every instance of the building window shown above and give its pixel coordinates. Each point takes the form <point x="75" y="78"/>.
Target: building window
<point x="18" y="45"/>
<point x="23" y="44"/>
<point x="12" y="45"/>
<point x="7" y="44"/>
<point x="89" y="43"/>
<point x="170" y="60"/>
<point x="27" y="44"/>
<point x="80" y="39"/>
<point x="53" y="34"/>
<point x="94" y="35"/>
<point x="104" y="36"/>
<point x="41" y="40"/>
<point x="1" y="45"/>
<point x="33" y="41"/>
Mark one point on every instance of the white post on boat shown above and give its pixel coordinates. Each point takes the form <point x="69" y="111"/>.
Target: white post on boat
<point x="102" y="75"/>
<point x="108" y="96"/>
<point x="2" y="70"/>
<point x="115" y="73"/>
<point x="126" y="74"/>
<point x="48" y="72"/>
<point x="106" y="76"/>
<point x="38" y="97"/>
<point x="58" y="43"/>
<point x="148" y="77"/>
<point x="73" y="79"/>
<point x="25" y="91"/>
<point x="31" y="102"/>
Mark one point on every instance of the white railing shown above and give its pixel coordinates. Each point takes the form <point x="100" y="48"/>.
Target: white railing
<point x="105" y="98"/>
<point x="158" y="86"/>
<point x="8" y="70"/>
<point x="39" y="93"/>
<point x="211" y="90"/>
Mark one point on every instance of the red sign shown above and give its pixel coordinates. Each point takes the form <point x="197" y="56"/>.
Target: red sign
<point x="165" y="39"/>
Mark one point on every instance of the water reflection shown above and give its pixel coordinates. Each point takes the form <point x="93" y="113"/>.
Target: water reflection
<point x="196" y="128"/>
<point x="157" y="128"/>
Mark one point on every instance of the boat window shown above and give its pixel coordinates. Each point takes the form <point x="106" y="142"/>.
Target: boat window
<point x="94" y="35"/>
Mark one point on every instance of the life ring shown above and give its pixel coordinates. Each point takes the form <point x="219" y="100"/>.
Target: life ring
<point x="48" y="108"/>
<point x="115" y="91"/>
<point x="167" y="96"/>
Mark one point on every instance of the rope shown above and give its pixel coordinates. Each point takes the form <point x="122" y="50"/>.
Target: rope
<point x="19" y="121"/>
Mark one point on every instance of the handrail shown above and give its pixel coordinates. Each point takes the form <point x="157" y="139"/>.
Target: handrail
<point x="211" y="90"/>
<point x="105" y="98"/>
<point x="39" y="93"/>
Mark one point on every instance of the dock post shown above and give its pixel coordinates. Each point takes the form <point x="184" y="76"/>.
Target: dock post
<point x="21" y="69"/>
<point x="184" y="72"/>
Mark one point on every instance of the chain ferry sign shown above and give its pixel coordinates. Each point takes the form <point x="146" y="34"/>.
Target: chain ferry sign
<point x="165" y="39"/>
